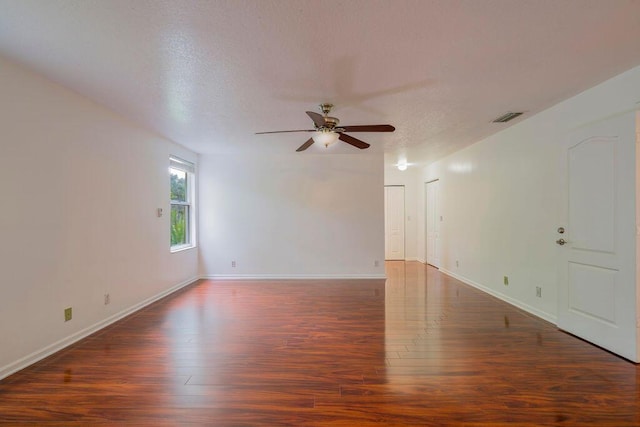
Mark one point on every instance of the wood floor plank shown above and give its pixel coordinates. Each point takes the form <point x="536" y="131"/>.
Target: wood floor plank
<point x="419" y="349"/>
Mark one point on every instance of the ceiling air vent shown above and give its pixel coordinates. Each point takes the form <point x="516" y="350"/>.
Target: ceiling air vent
<point x="506" y="117"/>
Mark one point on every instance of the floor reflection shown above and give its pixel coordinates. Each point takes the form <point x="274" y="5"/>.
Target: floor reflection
<point x="463" y="355"/>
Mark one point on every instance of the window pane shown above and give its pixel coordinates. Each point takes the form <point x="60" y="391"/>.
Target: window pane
<point x="178" y="185"/>
<point x="179" y="225"/>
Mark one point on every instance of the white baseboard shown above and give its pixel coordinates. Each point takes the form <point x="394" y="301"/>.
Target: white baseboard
<point x="292" y="276"/>
<point x="529" y="309"/>
<point x="38" y="355"/>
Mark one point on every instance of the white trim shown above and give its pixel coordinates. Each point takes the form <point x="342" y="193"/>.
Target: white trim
<point x="529" y="309"/>
<point x="38" y="355"/>
<point x="180" y="248"/>
<point x="292" y="276"/>
<point x="181" y="164"/>
<point x="412" y="259"/>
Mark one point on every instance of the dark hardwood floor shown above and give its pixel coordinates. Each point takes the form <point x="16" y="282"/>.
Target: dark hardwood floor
<point x="421" y="350"/>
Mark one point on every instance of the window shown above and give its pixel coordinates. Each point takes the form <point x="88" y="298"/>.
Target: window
<point x="182" y="179"/>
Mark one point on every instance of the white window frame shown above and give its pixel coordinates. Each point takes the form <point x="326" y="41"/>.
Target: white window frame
<point x="189" y="169"/>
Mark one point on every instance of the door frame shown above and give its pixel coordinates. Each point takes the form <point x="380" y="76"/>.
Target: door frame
<point x="426" y="226"/>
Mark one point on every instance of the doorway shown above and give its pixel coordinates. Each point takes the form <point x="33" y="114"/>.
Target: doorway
<point x="394" y="222"/>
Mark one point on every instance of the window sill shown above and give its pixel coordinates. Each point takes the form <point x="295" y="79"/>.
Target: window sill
<point x="181" y="248"/>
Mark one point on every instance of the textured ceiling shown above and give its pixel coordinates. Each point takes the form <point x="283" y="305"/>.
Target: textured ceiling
<point x="208" y="74"/>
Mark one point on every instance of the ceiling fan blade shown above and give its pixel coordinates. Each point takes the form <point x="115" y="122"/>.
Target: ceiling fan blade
<point x="369" y="128"/>
<point x="318" y="119"/>
<point x="305" y="145"/>
<point x="353" y="141"/>
<point x="286" y="131"/>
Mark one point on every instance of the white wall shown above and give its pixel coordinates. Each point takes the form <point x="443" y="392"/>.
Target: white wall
<point x="408" y="178"/>
<point x="295" y="215"/>
<point x="500" y="198"/>
<point x="80" y="187"/>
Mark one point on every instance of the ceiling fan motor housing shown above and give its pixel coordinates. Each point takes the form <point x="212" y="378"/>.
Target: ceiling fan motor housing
<point x="331" y="122"/>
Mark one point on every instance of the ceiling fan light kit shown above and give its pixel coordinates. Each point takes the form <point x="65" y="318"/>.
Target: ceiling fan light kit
<point x="327" y="131"/>
<point x="325" y="137"/>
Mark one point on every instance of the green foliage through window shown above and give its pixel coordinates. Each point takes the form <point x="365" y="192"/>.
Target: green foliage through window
<point x="179" y="215"/>
<point x="178" y="185"/>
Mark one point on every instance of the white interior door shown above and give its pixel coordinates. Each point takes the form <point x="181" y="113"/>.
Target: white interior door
<point x="433" y="222"/>
<point x="394" y="222"/>
<point x="597" y="279"/>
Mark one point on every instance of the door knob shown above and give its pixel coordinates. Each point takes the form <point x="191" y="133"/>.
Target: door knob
<point x="561" y="242"/>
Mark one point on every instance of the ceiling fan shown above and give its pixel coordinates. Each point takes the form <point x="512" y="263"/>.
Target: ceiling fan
<point x="326" y="130"/>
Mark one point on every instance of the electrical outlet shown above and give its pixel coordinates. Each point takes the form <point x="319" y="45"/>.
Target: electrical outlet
<point x="68" y="314"/>
<point x="233" y="264"/>
<point x="506" y="280"/>
<point x="107" y="299"/>
<point x="538" y="291"/>
<point x="376" y="263"/>
<point x="457" y="263"/>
